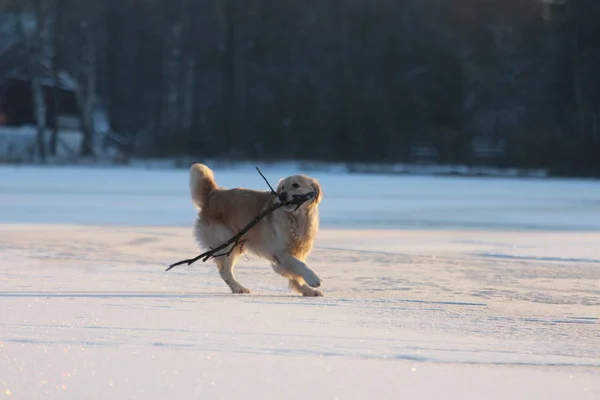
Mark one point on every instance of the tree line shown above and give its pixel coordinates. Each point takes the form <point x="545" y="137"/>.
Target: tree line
<point x="508" y="83"/>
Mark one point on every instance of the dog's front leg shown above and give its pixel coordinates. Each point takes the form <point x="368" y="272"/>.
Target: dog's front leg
<point x="291" y="267"/>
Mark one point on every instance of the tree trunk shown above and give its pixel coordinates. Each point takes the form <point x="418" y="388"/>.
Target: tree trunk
<point x="86" y="97"/>
<point x="56" y="90"/>
<point x="34" y="43"/>
<point x="170" y="97"/>
<point x="55" y="115"/>
<point x="87" y="116"/>
<point x="229" y="75"/>
<point x="37" y="93"/>
<point x="188" y="104"/>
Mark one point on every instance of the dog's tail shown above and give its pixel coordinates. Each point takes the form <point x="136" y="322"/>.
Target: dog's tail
<point x="202" y="182"/>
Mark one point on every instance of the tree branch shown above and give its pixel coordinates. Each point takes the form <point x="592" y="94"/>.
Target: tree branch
<point x="236" y="240"/>
<point x="268" y="184"/>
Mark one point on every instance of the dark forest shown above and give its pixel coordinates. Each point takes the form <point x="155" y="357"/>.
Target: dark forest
<point x="504" y="83"/>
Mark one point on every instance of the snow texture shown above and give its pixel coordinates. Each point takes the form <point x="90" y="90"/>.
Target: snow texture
<point x="435" y="288"/>
<point x="18" y="144"/>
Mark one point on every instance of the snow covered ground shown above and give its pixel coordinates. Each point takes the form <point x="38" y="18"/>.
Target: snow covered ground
<point x="435" y="288"/>
<point x="18" y="144"/>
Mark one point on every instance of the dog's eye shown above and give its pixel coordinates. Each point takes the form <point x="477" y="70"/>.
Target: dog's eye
<point x="295" y="185"/>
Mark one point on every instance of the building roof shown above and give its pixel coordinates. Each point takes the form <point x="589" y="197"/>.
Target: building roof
<point x="13" y="53"/>
<point x="65" y="80"/>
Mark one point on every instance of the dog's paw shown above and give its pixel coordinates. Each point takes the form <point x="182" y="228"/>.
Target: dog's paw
<point x="312" y="279"/>
<point x="312" y="293"/>
<point x="240" y="290"/>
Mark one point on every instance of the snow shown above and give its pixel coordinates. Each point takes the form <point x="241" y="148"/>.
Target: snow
<point x="454" y="288"/>
<point x="18" y="144"/>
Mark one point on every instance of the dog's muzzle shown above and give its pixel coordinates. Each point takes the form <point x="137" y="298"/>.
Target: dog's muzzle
<point x="282" y="197"/>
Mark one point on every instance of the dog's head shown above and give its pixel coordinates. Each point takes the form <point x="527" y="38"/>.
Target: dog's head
<point x="299" y="185"/>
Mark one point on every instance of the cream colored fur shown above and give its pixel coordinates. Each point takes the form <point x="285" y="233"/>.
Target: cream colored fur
<point x="284" y="237"/>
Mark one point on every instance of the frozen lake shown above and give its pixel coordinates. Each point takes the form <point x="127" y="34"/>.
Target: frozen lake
<point x="454" y="288"/>
<point x="136" y="196"/>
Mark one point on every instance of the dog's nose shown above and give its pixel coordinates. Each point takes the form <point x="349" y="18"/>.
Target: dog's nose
<point x="283" y="197"/>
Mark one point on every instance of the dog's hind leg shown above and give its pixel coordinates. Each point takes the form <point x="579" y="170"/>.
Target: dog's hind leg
<point x="212" y="235"/>
<point x="226" y="265"/>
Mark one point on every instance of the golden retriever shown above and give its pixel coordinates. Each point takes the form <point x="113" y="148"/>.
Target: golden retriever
<point x="284" y="237"/>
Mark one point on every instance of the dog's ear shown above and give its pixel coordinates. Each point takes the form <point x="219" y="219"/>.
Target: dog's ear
<point x="317" y="188"/>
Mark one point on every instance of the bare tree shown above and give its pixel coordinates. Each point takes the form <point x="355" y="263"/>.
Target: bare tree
<point x="86" y="88"/>
<point x="229" y="73"/>
<point x="56" y="56"/>
<point x="178" y="73"/>
<point x="32" y="19"/>
<point x="172" y="74"/>
<point x="189" y="76"/>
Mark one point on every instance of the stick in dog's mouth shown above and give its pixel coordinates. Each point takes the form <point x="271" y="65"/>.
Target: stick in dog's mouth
<point x="299" y="199"/>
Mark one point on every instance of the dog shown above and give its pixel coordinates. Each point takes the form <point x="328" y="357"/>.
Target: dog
<point x="284" y="237"/>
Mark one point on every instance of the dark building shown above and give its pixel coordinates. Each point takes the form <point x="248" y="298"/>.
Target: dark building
<point x="16" y="100"/>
